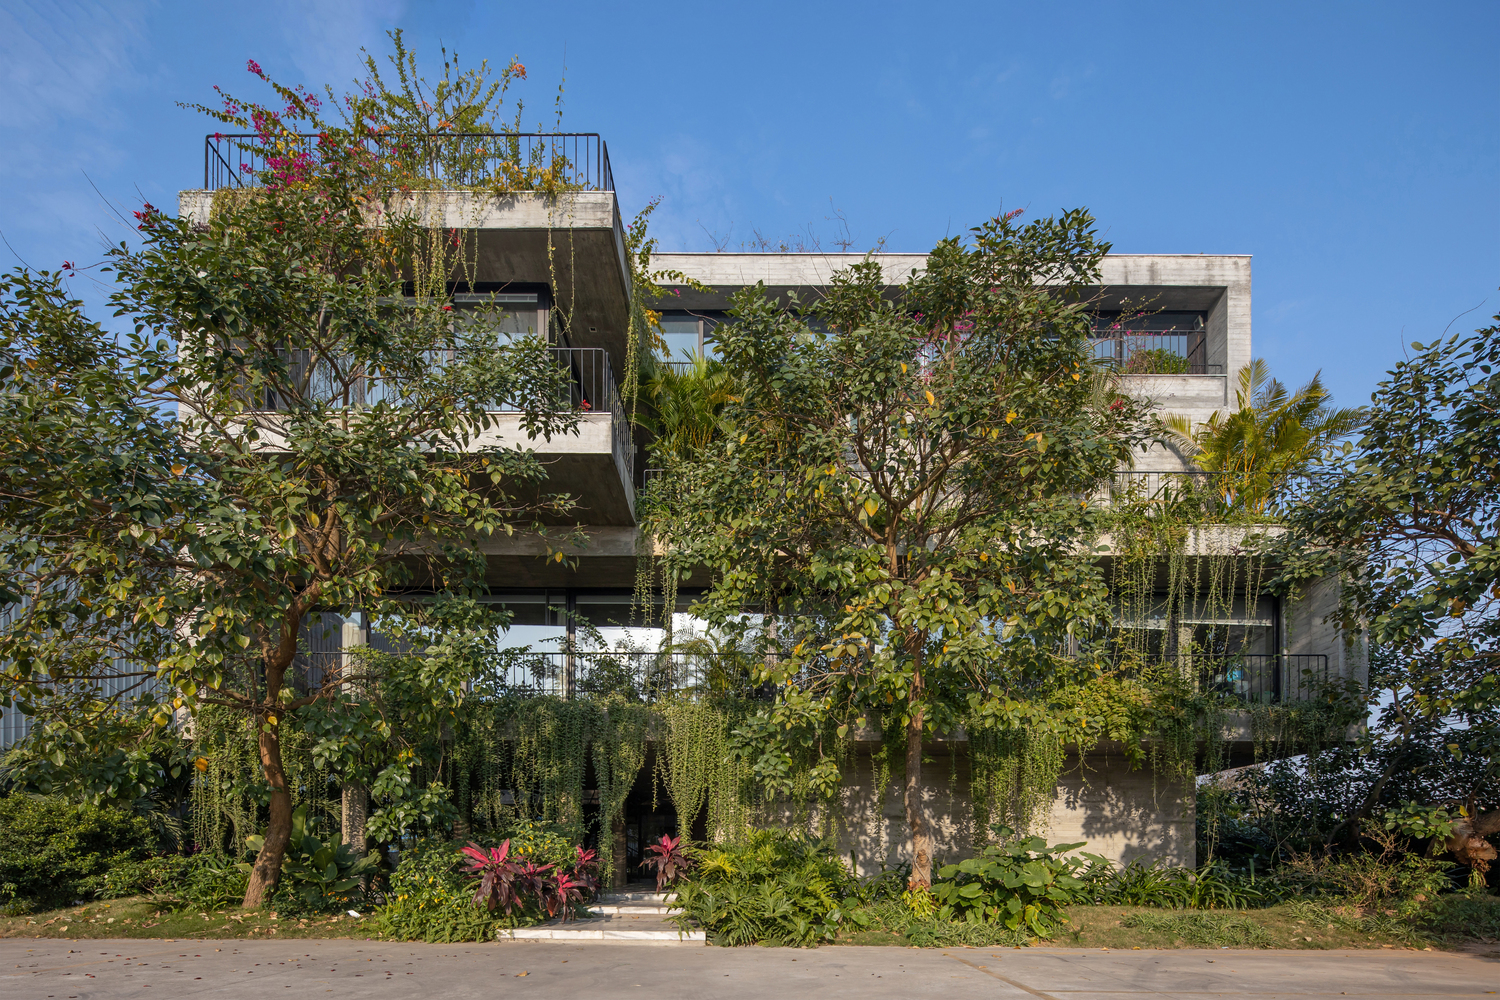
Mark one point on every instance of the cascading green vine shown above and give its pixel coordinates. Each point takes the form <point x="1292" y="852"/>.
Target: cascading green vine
<point x="229" y="793"/>
<point x="1013" y="777"/>
<point x="699" y="768"/>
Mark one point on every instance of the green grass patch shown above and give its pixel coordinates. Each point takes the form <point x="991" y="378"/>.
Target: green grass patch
<point x="147" y="918"/>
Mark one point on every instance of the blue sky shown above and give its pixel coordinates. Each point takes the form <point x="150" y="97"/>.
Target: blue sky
<point x="1353" y="149"/>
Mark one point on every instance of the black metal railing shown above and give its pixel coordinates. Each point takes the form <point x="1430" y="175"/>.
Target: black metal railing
<point x="1242" y="678"/>
<point x="1151" y="353"/>
<point x="516" y="161"/>
<point x="1174" y="484"/>
<point x="643" y="675"/>
<point x="589" y="387"/>
<point x="592" y="389"/>
<point x="1247" y="678"/>
<point x="1277" y="494"/>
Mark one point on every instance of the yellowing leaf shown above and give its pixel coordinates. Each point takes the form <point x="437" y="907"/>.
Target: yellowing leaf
<point x="1010" y="416"/>
<point x="930" y="397"/>
<point x="1075" y="376"/>
<point x="871" y="507"/>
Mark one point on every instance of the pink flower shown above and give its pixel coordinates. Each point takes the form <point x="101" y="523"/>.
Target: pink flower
<point x="254" y="67"/>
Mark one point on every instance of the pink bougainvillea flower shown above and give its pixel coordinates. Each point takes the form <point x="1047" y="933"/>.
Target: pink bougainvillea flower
<point x="254" y="67"/>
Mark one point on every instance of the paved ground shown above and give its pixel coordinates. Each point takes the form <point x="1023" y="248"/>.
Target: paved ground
<point x="371" y="971"/>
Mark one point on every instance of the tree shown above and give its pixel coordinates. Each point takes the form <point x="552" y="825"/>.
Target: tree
<point x="1271" y="435"/>
<point x="898" y="490"/>
<point x="1410" y="519"/>
<point x="684" y="405"/>
<point x="332" y="445"/>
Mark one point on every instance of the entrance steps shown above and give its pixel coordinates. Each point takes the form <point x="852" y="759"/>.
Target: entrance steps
<point x="616" y="916"/>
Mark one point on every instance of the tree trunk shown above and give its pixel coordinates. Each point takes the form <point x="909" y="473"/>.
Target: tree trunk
<point x="921" y="838"/>
<point x="619" y="874"/>
<point x="356" y="810"/>
<point x="267" y="870"/>
<point x="356" y="798"/>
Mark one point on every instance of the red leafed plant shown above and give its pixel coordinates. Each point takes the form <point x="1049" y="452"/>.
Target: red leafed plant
<point x="669" y="859"/>
<point x="584" y="871"/>
<point x="499" y="885"/>
<point x="566" y="893"/>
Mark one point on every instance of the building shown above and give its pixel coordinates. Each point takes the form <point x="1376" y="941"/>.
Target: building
<point x="1177" y="327"/>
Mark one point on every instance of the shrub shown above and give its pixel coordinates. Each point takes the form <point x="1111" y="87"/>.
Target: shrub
<point x="510" y="884"/>
<point x="429" y="900"/>
<point x="538" y="842"/>
<point x="52" y="852"/>
<point x="669" y="859"/>
<point x="1156" y="361"/>
<point x="322" y="876"/>
<point x="1142" y="883"/>
<point x="206" y="881"/>
<point x="1023" y="885"/>
<point x="434" y="895"/>
<point x="1384" y="882"/>
<point x="777" y="888"/>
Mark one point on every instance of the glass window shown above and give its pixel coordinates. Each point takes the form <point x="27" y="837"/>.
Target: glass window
<point x="512" y="315"/>
<point x="683" y="334"/>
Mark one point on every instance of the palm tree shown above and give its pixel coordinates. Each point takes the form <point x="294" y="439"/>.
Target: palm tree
<point x="684" y="405"/>
<point x="1270" y="435"/>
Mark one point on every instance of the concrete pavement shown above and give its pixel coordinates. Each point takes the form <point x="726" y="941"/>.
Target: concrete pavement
<point x="368" y="970"/>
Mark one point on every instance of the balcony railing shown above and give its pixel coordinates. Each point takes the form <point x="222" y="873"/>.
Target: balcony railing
<point x="644" y="675"/>
<point x="592" y="389"/>
<point x="1152" y="353"/>
<point x="589" y="387"/>
<point x="1249" y="678"/>
<point x="1242" y="678"/>
<point x="517" y="161"/>
<point x="1223" y="487"/>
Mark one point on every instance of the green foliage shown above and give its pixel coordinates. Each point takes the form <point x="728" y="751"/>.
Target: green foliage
<point x="1463" y="915"/>
<point x="321" y="875"/>
<point x="1419" y="822"/>
<point x="1023" y="884"/>
<point x="1154" y="883"/>
<point x="1372" y="881"/>
<point x="777" y="888"/>
<point x="1409" y="518"/>
<point x="429" y="900"/>
<point x="197" y="882"/>
<point x="52" y="851"/>
<point x="896" y="491"/>
<point x="1203" y="929"/>
<point x="539" y="843"/>
<point x="685" y="407"/>
<point x="1271" y="434"/>
<point x="1156" y="361"/>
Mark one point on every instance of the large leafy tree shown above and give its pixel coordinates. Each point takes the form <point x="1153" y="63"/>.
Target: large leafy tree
<point x="334" y="445"/>
<point x="1410" y="519"/>
<point x="899" y="491"/>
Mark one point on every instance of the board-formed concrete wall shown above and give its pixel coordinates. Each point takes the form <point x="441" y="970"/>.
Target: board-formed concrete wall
<point x="1119" y="812"/>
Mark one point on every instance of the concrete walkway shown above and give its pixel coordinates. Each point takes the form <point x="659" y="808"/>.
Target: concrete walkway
<point x="367" y="970"/>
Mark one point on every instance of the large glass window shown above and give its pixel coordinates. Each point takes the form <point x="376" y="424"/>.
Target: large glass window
<point x="512" y="315"/>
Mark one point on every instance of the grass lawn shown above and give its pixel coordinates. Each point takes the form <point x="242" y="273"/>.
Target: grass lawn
<point x="147" y="918"/>
<point x="1468" y="924"/>
<point x="1464" y="926"/>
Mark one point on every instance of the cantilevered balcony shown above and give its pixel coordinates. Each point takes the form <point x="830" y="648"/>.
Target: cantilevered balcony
<point x="541" y="208"/>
